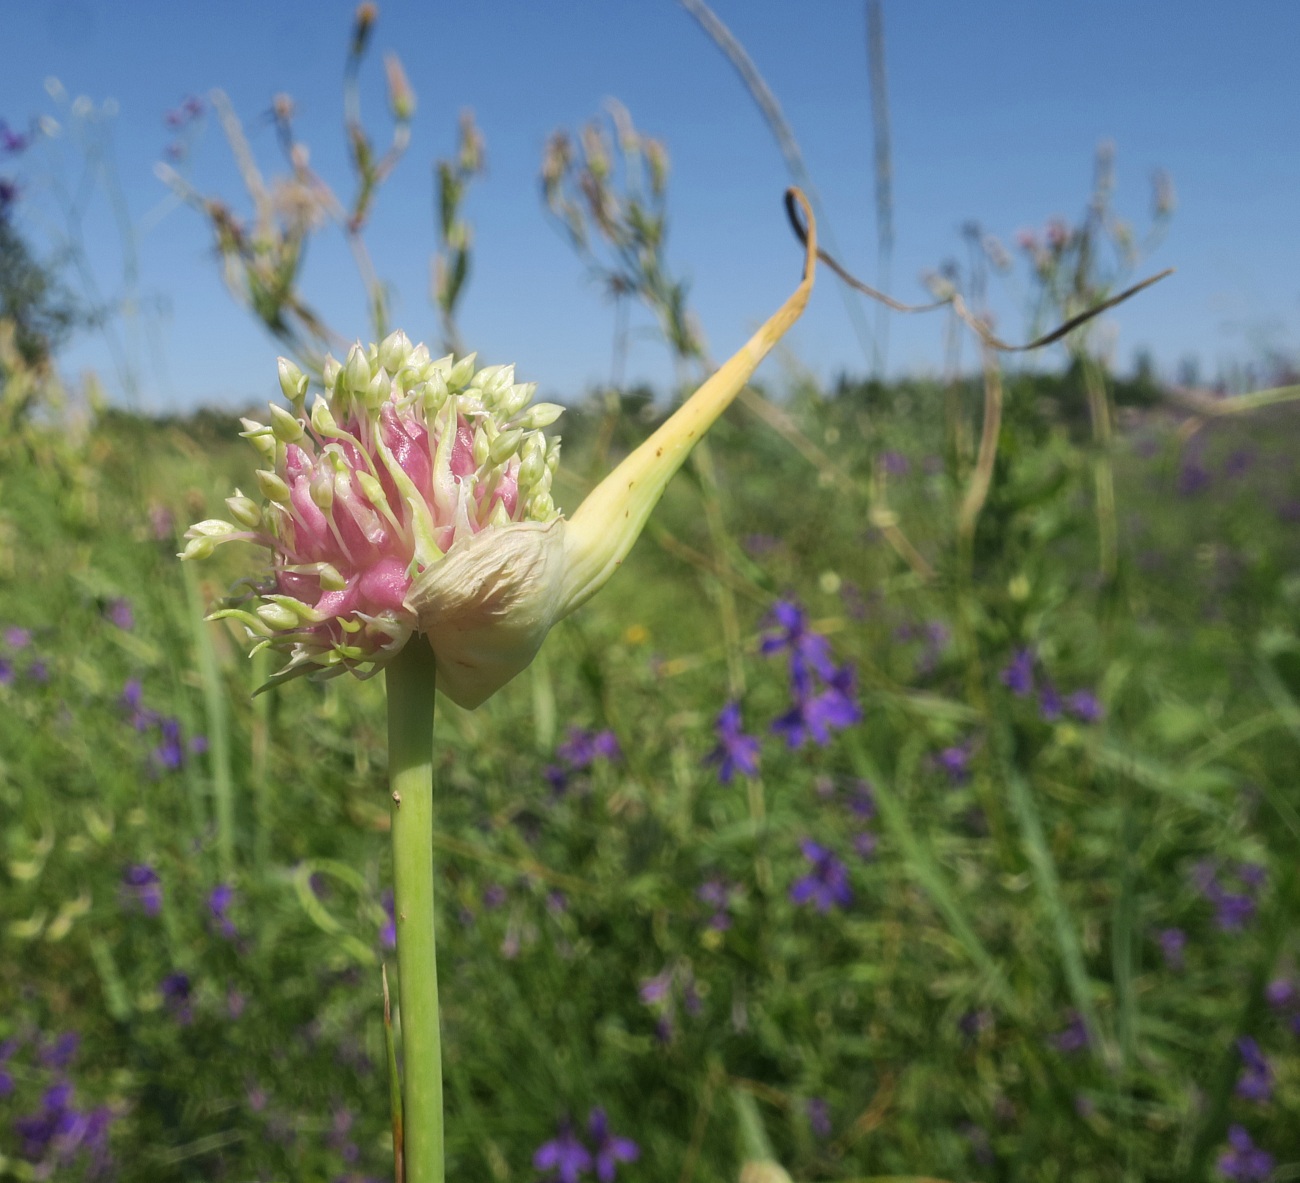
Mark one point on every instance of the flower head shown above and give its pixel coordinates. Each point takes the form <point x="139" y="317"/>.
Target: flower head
<point x="1244" y="1162"/>
<point x="611" y="1149"/>
<point x="564" y="1156"/>
<point x="735" y="751"/>
<point x="415" y="497"/>
<point x="825" y="886"/>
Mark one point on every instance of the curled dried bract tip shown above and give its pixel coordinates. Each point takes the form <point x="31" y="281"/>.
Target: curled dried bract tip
<point x="959" y="307"/>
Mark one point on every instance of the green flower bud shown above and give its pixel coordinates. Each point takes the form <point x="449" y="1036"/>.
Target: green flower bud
<point x="481" y="447"/>
<point x="461" y="372"/>
<point x="322" y="419"/>
<point x="378" y="389"/>
<point x="293" y="382"/>
<point x="244" y="510"/>
<point x="261" y="437"/>
<point x="531" y="469"/>
<point x="539" y="415"/>
<point x="516" y="399"/>
<point x="330" y="372"/>
<point x="357" y="372"/>
<point x="394" y="351"/>
<point x="278" y="616"/>
<point x="321" y="489"/>
<point x="198" y="548"/>
<point x="330" y="578"/>
<point x="504" y="446"/>
<point x="273" y="487"/>
<point x="286" y="427"/>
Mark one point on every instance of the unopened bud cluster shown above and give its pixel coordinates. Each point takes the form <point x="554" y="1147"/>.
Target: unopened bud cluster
<point x="402" y="458"/>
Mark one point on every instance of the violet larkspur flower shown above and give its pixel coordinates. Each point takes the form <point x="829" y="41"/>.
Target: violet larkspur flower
<point x="119" y="612"/>
<point x="141" y="885"/>
<point x="819" y="1117"/>
<point x="1073" y="1037"/>
<point x="736" y="751"/>
<point x="17" y="638"/>
<point x="1085" y="706"/>
<point x="415" y="497"/>
<point x="1244" y="1162"/>
<point x="716" y="893"/>
<point x="175" y="989"/>
<point x="1172" y="943"/>
<point x="1256" y="1080"/>
<point x="814" y="716"/>
<point x="220" y="899"/>
<point x="809" y="652"/>
<point x="1049" y="702"/>
<point x="583" y="748"/>
<point x="611" y="1149"/>
<point x="1018" y="676"/>
<point x="564" y="1156"/>
<point x="827" y="885"/>
<point x="955" y="761"/>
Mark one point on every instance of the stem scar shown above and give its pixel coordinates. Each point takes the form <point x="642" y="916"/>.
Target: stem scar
<point x="397" y="799"/>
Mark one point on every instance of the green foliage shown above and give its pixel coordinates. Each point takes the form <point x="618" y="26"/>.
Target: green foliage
<point x="32" y="299"/>
<point x="927" y="1014"/>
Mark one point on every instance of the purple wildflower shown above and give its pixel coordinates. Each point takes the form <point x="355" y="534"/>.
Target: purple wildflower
<point x="583" y="748"/>
<point x="1049" y="702"/>
<point x="1018" y="676"/>
<point x="175" y="989"/>
<point x="59" y="1052"/>
<point x="1172" y="943"/>
<point x="494" y="895"/>
<point x="862" y="800"/>
<point x="611" y="1149"/>
<point x="813" y="717"/>
<point x="1280" y="994"/>
<point x="388" y="933"/>
<point x="566" y="1157"/>
<point x="119" y="612"/>
<point x="864" y="845"/>
<point x="735" y="751"/>
<point x="827" y="885"/>
<point x="716" y="893"/>
<point x="819" y="1117"/>
<point x="140" y="883"/>
<point x="18" y="638"/>
<point x="132" y="699"/>
<point x="809" y="652"/>
<point x="557" y="777"/>
<point x="220" y="899"/>
<point x="39" y="672"/>
<point x="1233" y="910"/>
<point x="1085" y="706"/>
<point x="955" y="761"/>
<point x="6" y="671"/>
<point x="1073" y="1037"/>
<point x="655" y="990"/>
<point x="895" y="463"/>
<point x="1244" y="1162"/>
<point x="836" y="707"/>
<point x="1256" y="1080"/>
<point x="170" y="752"/>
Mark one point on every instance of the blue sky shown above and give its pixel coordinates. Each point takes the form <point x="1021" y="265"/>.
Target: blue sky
<point x="997" y="109"/>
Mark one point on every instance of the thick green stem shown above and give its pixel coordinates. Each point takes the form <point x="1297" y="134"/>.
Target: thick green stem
<point x="410" y="771"/>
